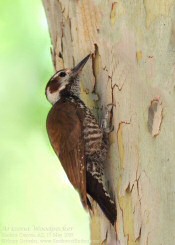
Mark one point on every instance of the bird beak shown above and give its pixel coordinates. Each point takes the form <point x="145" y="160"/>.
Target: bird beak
<point x="76" y="70"/>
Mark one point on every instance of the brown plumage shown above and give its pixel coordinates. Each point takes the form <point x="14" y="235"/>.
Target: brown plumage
<point x="64" y="126"/>
<point x="78" y="140"/>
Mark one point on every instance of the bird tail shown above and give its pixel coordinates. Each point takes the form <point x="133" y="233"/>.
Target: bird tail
<point x="96" y="190"/>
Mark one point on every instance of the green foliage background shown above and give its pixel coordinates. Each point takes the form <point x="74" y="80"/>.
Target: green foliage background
<point x="34" y="190"/>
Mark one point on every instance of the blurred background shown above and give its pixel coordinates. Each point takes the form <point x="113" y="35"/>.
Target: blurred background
<point x="37" y="203"/>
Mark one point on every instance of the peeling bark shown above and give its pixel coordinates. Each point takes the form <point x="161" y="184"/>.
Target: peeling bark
<point x="155" y="117"/>
<point x="133" y="44"/>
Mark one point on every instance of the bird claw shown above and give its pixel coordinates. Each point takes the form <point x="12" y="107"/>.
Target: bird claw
<point x="106" y="120"/>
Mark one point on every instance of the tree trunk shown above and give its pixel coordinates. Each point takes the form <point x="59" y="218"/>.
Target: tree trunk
<point x="133" y="67"/>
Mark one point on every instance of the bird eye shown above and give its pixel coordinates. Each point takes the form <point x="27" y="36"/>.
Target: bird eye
<point x="62" y="74"/>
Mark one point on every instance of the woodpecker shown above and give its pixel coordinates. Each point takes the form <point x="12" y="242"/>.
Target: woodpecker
<point x="77" y="139"/>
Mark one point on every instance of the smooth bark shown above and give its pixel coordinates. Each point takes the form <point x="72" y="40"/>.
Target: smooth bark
<point x="133" y="67"/>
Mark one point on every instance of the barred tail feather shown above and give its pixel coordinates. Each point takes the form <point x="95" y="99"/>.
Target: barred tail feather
<point x="96" y="191"/>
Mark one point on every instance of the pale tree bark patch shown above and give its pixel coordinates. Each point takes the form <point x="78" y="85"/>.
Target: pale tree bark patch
<point x="155" y="117"/>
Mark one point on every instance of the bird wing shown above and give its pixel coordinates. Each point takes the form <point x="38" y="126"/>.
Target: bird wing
<point x="64" y="126"/>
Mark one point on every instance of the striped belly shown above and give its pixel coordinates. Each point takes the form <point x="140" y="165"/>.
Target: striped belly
<point x="92" y="134"/>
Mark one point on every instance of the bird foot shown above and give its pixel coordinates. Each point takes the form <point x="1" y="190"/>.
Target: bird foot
<point x="106" y="123"/>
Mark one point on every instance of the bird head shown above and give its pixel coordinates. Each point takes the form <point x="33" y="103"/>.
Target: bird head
<point x="64" y="82"/>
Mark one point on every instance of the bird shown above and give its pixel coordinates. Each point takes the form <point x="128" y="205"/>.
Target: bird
<point x="78" y="140"/>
